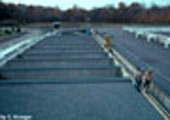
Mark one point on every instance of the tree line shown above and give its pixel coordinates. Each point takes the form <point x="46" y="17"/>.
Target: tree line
<point x="134" y="13"/>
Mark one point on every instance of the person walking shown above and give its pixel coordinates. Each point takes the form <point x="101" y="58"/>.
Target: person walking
<point x="139" y="78"/>
<point x="138" y="81"/>
<point x="107" y="41"/>
<point x="147" y="78"/>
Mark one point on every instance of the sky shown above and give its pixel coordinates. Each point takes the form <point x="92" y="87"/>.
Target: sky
<point x="87" y="4"/>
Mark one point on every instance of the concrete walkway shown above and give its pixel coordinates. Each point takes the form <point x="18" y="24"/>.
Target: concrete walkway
<point x="69" y="77"/>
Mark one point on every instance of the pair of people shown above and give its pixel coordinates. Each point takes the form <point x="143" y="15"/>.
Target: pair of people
<point x="144" y="80"/>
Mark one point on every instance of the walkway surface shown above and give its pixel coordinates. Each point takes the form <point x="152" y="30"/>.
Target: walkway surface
<point x="68" y="76"/>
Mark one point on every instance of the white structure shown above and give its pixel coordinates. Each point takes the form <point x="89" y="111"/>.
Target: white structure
<point x="139" y="34"/>
<point x="164" y="40"/>
<point x="151" y="37"/>
<point x="149" y="34"/>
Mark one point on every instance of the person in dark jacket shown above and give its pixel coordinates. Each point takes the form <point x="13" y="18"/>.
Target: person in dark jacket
<point x="148" y="77"/>
<point x="138" y="81"/>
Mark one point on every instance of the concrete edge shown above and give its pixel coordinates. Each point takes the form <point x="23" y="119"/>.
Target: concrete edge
<point x="90" y="80"/>
<point x="21" y="47"/>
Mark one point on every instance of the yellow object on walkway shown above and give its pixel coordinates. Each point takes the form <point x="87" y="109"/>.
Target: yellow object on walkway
<point x="108" y="41"/>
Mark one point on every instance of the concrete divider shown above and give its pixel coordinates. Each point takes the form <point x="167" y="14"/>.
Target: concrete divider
<point x="128" y="29"/>
<point x="163" y="100"/>
<point x="11" y="50"/>
<point x="164" y="40"/>
<point x="150" y="36"/>
<point x="139" y="34"/>
<point x="146" y="29"/>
